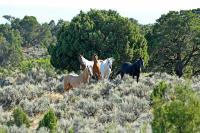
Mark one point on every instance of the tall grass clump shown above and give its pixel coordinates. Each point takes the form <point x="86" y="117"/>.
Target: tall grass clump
<point x="178" y="111"/>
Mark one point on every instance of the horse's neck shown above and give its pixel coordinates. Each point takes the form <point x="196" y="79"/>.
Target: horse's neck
<point x="137" y="65"/>
<point x="87" y="62"/>
<point x="84" y="76"/>
<point x="96" y="62"/>
<point x="107" y="65"/>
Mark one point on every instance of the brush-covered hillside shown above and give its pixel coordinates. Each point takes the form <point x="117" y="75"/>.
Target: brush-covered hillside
<point x="35" y="56"/>
<point x="104" y="106"/>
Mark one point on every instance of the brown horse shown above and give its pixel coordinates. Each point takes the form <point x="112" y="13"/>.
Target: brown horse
<point x="96" y="67"/>
<point x="74" y="81"/>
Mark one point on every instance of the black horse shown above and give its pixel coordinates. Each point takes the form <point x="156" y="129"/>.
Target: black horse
<point x="132" y="69"/>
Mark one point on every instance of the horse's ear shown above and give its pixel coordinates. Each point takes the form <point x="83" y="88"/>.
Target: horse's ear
<point x="79" y="57"/>
<point x="95" y="56"/>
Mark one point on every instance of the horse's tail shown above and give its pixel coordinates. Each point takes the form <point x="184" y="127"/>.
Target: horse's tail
<point x="118" y="72"/>
<point x="114" y="75"/>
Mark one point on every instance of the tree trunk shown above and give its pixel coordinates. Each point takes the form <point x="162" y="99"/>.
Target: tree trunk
<point x="179" y="69"/>
<point x="179" y="66"/>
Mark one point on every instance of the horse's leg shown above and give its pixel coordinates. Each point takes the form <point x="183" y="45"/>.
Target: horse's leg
<point x="95" y="77"/>
<point x="108" y="74"/>
<point x="99" y="76"/>
<point x="122" y="75"/>
<point x="67" y="86"/>
<point x="102" y="73"/>
<point x="102" y="76"/>
<point x="138" y="78"/>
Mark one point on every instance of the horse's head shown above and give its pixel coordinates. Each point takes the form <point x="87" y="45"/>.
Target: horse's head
<point x="95" y="58"/>
<point x="87" y="73"/>
<point x="109" y="62"/>
<point x="141" y="62"/>
<point x="82" y="63"/>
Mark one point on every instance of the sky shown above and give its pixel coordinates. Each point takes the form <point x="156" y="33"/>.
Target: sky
<point x="145" y="11"/>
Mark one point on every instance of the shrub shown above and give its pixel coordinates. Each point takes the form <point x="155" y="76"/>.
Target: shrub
<point x="20" y="117"/>
<point x="158" y="92"/>
<point x="44" y="63"/>
<point x="71" y="130"/>
<point x="179" y="113"/>
<point x="188" y="72"/>
<point x="3" y="130"/>
<point x="49" y="120"/>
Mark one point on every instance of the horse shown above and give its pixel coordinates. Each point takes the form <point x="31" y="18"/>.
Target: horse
<point x="86" y="63"/>
<point x="74" y="81"/>
<point x="96" y="67"/>
<point x="133" y="69"/>
<point x="105" y="65"/>
<point x="106" y="68"/>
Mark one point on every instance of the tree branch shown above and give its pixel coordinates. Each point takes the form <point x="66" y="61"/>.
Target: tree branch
<point x="194" y="49"/>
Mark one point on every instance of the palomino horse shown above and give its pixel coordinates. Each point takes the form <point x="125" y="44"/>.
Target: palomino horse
<point x="74" y="81"/>
<point x="105" y="65"/>
<point x="132" y="69"/>
<point x="96" y="67"/>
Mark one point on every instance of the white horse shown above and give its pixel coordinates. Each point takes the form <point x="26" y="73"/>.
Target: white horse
<point x="106" y="68"/>
<point x="105" y="65"/>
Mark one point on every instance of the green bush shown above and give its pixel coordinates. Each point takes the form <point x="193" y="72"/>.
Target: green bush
<point x="4" y="72"/>
<point x="3" y="130"/>
<point x="49" y="120"/>
<point x="71" y="130"/>
<point x="44" y="63"/>
<point x="188" y="72"/>
<point x="159" y="91"/>
<point x="20" y="117"/>
<point x="179" y="112"/>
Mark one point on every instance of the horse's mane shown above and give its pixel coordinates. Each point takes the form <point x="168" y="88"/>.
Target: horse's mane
<point x="109" y="59"/>
<point x="136" y="64"/>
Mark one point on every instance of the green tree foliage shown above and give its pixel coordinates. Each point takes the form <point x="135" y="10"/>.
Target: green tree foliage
<point x="177" y="111"/>
<point x="45" y="37"/>
<point x="9" y="17"/>
<point x="55" y="28"/>
<point x="28" y="29"/>
<point x="49" y="120"/>
<point x="20" y="117"/>
<point x="33" y="33"/>
<point x="103" y="32"/>
<point x="10" y="46"/>
<point x="174" y="42"/>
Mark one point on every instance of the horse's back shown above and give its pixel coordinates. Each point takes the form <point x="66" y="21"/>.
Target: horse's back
<point x="70" y="77"/>
<point x="105" y="67"/>
<point x="73" y="74"/>
<point x="125" y="66"/>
